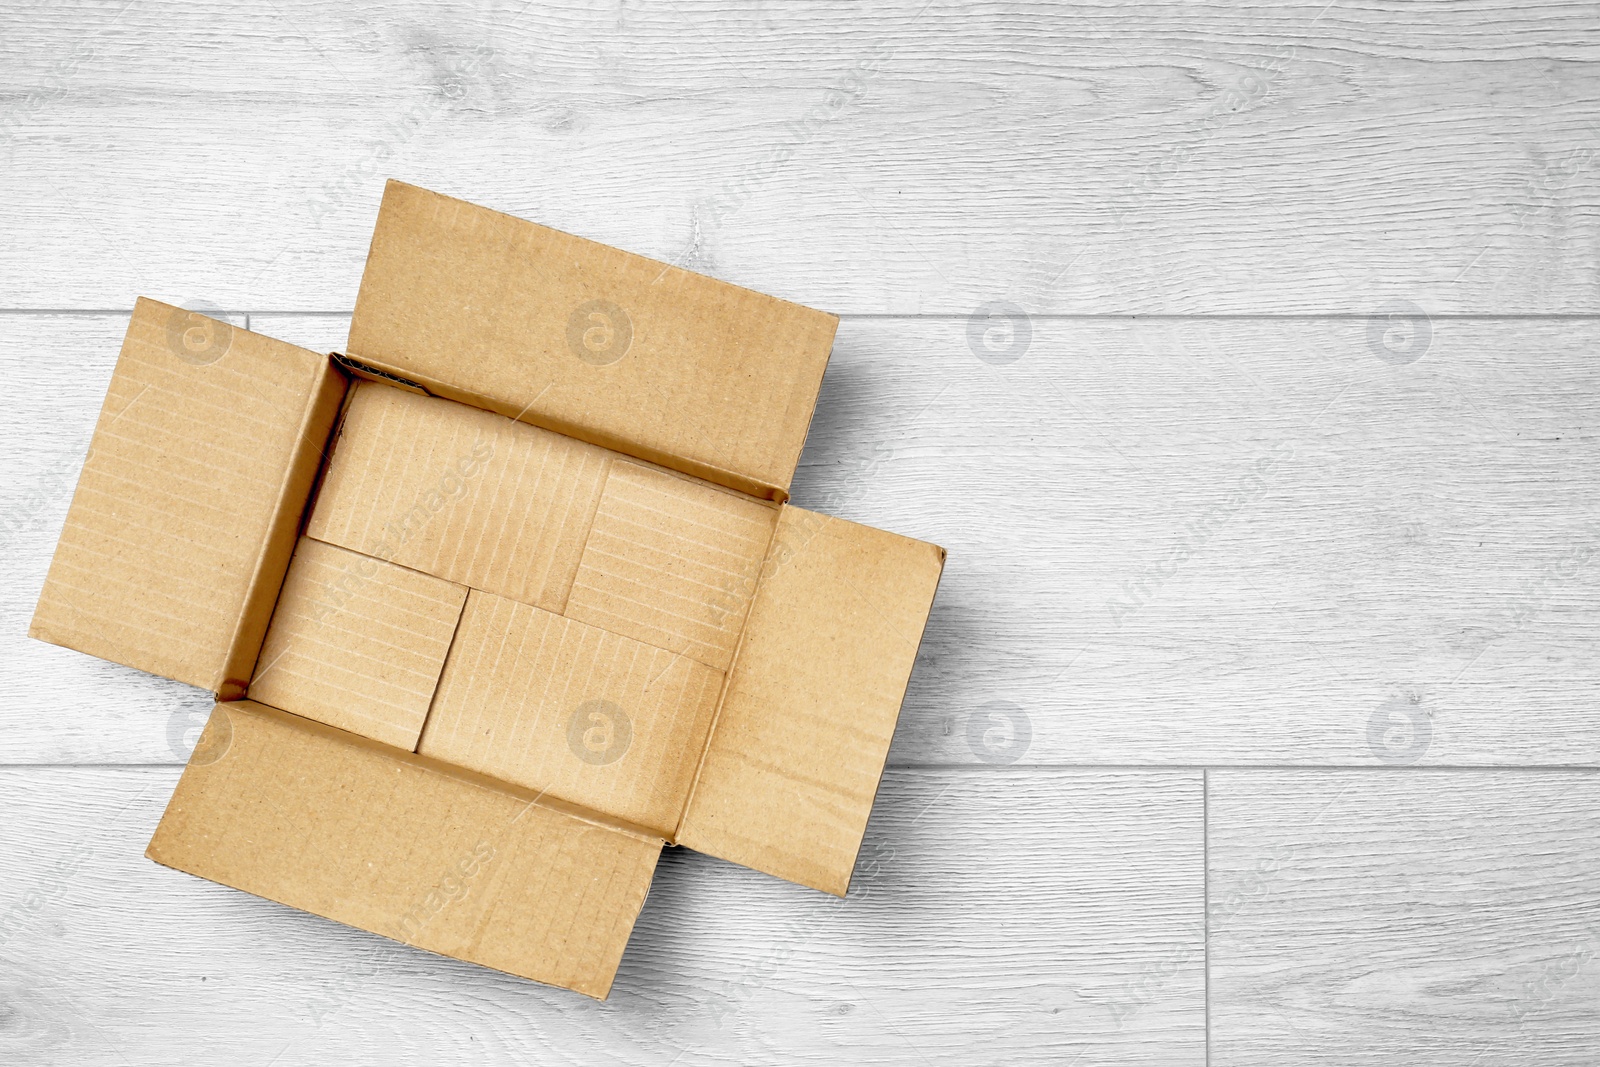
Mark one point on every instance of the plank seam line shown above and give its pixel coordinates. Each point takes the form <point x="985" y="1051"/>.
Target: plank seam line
<point x="1025" y="768"/>
<point x="1043" y="316"/>
<point x="1205" y="904"/>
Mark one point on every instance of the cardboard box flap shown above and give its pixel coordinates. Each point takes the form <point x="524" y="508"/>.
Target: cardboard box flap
<point x="589" y="716"/>
<point x="405" y="847"/>
<point x="185" y="514"/>
<point x="612" y="348"/>
<point x="799" y="742"/>
<point x="358" y="643"/>
<point x="460" y="493"/>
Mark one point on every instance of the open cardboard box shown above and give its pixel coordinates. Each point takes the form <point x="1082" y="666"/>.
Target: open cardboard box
<point x="499" y="602"/>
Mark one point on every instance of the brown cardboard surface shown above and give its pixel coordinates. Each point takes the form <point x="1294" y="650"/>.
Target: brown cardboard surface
<point x="461" y="493"/>
<point x="672" y="562"/>
<point x="800" y="739"/>
<point x="554" y="704"/>
<point x="357" y="643"/>
<point x="185" y="513"/>
<point x="613" y="348"/>
<point x="594" y="625"/>
<point x="387" y="841"/>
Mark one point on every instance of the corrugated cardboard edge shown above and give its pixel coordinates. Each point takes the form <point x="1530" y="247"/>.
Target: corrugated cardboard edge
<point x="330" y="644"/>
<point x="260" y="590"/>
<point x="834" y="883"/>
<point x="213" y="744"/>
<point x="412" y="377"/>
<point x="377" y="371"/>
<point x="293" y="503"/>
<point x="357" y="369"/>
<point x="500" y="686"/>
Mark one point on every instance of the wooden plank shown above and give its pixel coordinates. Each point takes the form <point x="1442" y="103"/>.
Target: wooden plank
<point x="913" y="158"/>
<point x="1228" y="541"/>
<point x="1410" y="917"/>
<point x="62" y="706"/>
<point x="1018" y="917"/>
<point x="1410" y="578"/>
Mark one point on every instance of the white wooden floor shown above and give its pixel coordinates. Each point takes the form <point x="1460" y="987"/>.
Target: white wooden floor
<point x="1243" y="356"/>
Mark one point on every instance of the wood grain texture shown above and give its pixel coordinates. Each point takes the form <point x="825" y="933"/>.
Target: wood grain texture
<point x="61" y="706"/>
<point x="1170" y="542"/>
<point x="1228" y="541"/>
<point x="912" y="157"/>
<point x="997" y="917"/>
<point x="1294" y="532"/>
<point x="1444" y="918"/>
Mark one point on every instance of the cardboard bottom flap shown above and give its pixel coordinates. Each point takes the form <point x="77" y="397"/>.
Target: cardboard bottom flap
<point x="402" y="846"/>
